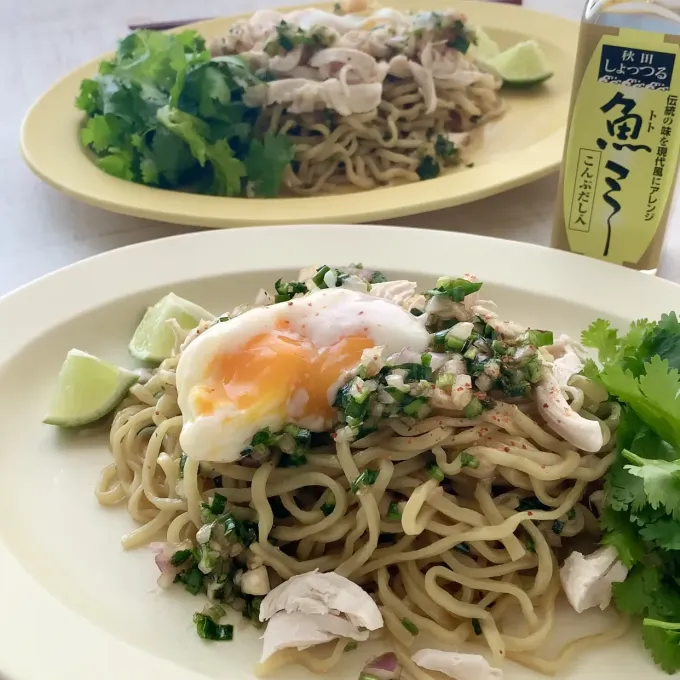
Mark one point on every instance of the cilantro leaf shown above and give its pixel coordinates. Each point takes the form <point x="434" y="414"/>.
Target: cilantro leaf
<point x="228" y="170"/>
<point x="602" y="337"/>
<point x="622" y="534"/>
<point x="663" y="644"/>
<point x="661" y="480"/>
<point x="267" y="161"/>
<point x="664" y="533"/>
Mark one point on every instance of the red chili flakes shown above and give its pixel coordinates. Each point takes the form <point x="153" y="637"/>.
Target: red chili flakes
<point x="530" y="514"/>
<point x="290" y="304"/>
<point x="157" y="413"/>
<point x="360" y="313"/>
<point x="333" y="435"/>
<point x="365" y="330"/>
<point x="524" y="446"/>
<point x="542" y="467"/>
<point x="506" y="449"/>
<point x="409" y="441"/>
<point x="545" y="405"/>
<point x="309" y="304"/>
<point x="460" y="389"/>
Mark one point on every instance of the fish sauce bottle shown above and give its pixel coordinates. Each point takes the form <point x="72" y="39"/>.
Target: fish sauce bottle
<point x="623" y="139"/>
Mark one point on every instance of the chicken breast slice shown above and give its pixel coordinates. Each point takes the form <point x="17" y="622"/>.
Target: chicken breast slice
<point x="457" y="665"/>
<point x="587" y="579"/>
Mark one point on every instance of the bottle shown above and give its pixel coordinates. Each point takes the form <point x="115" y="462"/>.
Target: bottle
<point x="623" y="140"/>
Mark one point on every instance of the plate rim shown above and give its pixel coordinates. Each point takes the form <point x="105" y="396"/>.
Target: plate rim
<point x="537" y="160"/>
<point x="169" y="261"/>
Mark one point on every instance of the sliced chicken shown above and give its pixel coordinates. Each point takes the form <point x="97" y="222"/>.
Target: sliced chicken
<point x="582" y="433"/>
<point x="323" y="593"/>
<point x="361" y="67"/>
<point x="301" y="631"/>
<point x="400" y="292"/>
<point x="457" y="665"/>
<point x="587" y="580"/>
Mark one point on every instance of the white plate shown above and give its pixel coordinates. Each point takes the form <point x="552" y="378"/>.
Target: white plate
<point x="72" y="603"/>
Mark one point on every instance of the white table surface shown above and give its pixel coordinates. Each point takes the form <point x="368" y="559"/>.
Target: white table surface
<point x="41" y="230"/>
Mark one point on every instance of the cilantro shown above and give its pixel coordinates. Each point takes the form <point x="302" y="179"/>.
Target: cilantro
<point x="662" y="639"/>
<point x="327" y="509"/>
<point x="162" y="112"/>
<point x="476" y="627"/>
<point x="377" y="277"/>
<point x="266" y="163"/>
<point x="661" y="481"/>
<point x="393" y="512"/>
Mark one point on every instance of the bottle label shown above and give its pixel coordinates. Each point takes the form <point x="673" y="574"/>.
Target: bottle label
<point x="623" y="146"/>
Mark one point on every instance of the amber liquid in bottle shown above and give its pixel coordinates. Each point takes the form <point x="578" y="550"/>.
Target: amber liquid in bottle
<point x="590" y="166"/>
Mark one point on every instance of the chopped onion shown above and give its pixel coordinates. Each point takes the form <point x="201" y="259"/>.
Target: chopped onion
<point x="384" y="667"/>
<point x="163" y="559"/>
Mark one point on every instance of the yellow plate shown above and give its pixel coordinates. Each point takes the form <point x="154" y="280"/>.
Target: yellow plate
<point x="524" y="145"/>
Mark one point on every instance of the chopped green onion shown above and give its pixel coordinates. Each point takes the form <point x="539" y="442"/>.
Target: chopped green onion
<point x="413" y="408"/>
<point x="293" y="460"/>
<point x="468" y="460"/>
<point x="218" y="504"/>
<point x="473" y="409"/>
<point x="377" y="277"/>
<point x="453" y="343"/>
<point x="540" y="338"/>
<point x="557" y="527"/>
<point x="444" y="148"/>
<point x="327" y="508"/>
<point x="396" y="394"/>
<point x="302" y="436"/>
<point x="416" y="312"/>
<point x="224" y="318"/>
<point x="455" y="289"/>
<point x="366" y="478"/>
<point x="498" y="347"/>
<point x="410" y="626"/>
<point x="445" y="380"/>
<point x="530" y="503"/>
<point x="471" y="353"/>
<point x="351" y="646"/>
<point x="428" y="168"/>
<point x="530" y="545"/>
<point x="367" y="676"/>
<point x="426" y="359"/>
<point x="463" y="548"/>
<point x="251" y="611"/>
<point x="393" y="512"/>
<point x="476" y="626"/>
<point x="415" y="371"/>
<point x="207" y="629"/>
<point x="180" y="557"/>
<point x="571" y="514"/>
<point x="286" y="291"/>
<point x="182" y="463"/>
<point x="263" y="436"/>
<point x="192" y="579"/>
<point x="435" y="472"/>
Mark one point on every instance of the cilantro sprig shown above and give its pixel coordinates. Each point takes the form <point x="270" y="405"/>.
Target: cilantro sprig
<point x="641" y="517"/>
<point x="162" y="112"/>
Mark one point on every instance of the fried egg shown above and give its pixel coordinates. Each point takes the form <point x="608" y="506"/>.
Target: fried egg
<point x="281" y="364"/>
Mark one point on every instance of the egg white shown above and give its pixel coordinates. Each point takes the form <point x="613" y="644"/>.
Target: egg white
<point x="324" y="318"/>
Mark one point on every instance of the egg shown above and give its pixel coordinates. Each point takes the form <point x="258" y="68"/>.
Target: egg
<point x="281" y="364"/>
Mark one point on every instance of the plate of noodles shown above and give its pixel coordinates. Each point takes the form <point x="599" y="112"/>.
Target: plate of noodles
<point x="278" y="116"/>
<point x="269" y="462"/>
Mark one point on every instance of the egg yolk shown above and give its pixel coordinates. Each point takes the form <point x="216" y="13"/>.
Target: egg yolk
<point x="264" y="374"/>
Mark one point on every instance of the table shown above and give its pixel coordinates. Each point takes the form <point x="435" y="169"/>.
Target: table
<point x="41" y="230"/>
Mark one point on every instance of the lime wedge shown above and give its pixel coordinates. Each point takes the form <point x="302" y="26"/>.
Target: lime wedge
<point x="486" y="47"/>
<point x="87" y="389"/>
<point x="523" y="65"/>
<point x="154" y="340"/>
